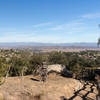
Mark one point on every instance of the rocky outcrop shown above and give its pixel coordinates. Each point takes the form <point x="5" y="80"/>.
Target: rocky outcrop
<point x="56" y="68"/>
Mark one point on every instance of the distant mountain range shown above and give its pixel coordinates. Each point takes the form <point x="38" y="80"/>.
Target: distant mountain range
<point x="18" y="44"/>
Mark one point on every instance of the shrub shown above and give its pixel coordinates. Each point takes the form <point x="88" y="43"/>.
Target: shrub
<point x="57" y="58"/>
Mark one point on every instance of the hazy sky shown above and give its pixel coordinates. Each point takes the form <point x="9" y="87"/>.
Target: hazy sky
<point x="51" y="21"/>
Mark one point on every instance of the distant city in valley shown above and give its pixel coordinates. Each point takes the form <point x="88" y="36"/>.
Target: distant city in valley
<point x="49" y="47"/>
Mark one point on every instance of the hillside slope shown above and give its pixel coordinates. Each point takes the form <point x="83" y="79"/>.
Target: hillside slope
<point x="56" y="88"/>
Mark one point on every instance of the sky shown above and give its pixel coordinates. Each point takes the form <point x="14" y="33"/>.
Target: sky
<point x="49" y="21"/>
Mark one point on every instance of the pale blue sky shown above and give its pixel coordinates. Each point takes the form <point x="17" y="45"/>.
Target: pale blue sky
<point x="53" y="21"/>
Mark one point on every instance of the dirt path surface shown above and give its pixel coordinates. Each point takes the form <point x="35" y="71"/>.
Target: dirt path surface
<point x="56" y="88"/>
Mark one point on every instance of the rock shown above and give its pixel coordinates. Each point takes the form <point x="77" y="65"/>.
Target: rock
<point x="55" y="68"/>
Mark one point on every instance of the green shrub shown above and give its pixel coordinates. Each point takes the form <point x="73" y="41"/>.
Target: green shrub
<point x="57" y="58"/>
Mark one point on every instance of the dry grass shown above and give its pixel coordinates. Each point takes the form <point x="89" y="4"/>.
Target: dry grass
<point x="30" y="88"/>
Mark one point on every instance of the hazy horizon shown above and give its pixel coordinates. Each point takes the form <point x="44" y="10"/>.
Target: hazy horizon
<point x="49" y="42"/>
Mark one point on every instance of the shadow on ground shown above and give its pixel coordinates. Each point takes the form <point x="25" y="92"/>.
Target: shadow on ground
<point x="33" y="79"/>
<point x="77" y="93"/>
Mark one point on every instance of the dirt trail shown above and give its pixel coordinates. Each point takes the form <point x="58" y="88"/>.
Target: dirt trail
<point x="56" y="88"/>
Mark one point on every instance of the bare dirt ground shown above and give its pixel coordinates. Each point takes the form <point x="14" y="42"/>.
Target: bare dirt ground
<point x="56" y="88"/>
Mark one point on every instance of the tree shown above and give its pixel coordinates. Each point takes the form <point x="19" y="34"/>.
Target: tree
<point x="35" y="62"/>
<point x="58" y="58"/>
<point x="98" y="42"/>
<point x="76" y="70"/>
<point x="18" y="66"/>
<point x="3" y="69"/>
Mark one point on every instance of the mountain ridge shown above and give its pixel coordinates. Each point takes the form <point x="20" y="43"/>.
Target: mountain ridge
<point x="83" y="44"/>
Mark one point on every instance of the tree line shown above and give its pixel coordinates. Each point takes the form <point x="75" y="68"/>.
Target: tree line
<point x="24" y="63"/>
